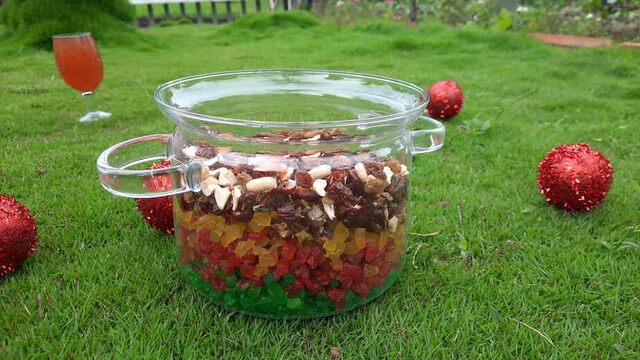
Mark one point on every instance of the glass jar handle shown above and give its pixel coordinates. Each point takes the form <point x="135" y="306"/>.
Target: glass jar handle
<point x="435" y="135"/>
<point x="116" y="167"/>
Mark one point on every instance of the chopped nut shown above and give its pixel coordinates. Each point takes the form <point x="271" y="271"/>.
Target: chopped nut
<point x="393" y="224"/>
<point x="319" y="185"/>
<point x="286" y="175"/>
<point x="361" y="171"/>
<point x="403" y="170"/>
<point x="226" y="177"/>
<point x="374" y="185"/>
<point x="221" y="195"/>
<point x="312" y="133"/>
<point x="208" y="185"/>
<point x="210" y="162"/>
<point x="315" y="214"/>
<point x="388" y="173"/>
<point x="290" y="184"/>
<point x="205" y="172"/>
<point x="314" y="155"/>
<point x="327" y="202"/>
<point x="190" y="151"/>
<point x="235" y="196"/>
<point x="267" y="163"/>
<point x="320" y="172"/>
<point x="315" y="138"/>
<point x="215" y="172"/>
<point x="262" y="184"/>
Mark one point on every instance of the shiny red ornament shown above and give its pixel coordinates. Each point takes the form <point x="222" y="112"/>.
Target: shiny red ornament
<point x="158" y="212"/>
<point x="445" y="99"/>
<point x="18" y="236"/>
<point x="575" y="177"/>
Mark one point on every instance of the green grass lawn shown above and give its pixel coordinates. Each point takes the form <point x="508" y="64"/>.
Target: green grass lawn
<point x="104" y="284"/>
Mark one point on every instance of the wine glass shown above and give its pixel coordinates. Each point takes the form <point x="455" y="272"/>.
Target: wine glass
<point x="80" y="66"/>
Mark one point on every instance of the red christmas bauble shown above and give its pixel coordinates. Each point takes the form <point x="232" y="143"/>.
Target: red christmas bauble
<point x="158" y="212"/>
<point x="18" y="236"/>
<point x="445" y="99"/>
<point x="575" y="177"/>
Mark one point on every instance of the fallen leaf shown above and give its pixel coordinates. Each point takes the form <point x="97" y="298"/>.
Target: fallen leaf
<point x="335" y="353"/>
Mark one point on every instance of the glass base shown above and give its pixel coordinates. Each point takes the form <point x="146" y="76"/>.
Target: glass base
<point x="94" y="115"/>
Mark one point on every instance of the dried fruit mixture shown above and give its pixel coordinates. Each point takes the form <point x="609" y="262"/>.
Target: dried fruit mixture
<point x="293" y="235"/>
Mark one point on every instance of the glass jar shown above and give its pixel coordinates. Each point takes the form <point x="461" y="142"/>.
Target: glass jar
<point x="290" y="187"/>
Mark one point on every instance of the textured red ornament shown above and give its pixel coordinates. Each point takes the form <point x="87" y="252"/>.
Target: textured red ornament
<point x="575" y="177"/>
<point x="445" y="99"/>
<point x="158" y="212"/>
<point x="18" y="235"/>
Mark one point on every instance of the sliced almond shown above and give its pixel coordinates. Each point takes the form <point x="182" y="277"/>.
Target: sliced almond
<point x="403" y="170"/>
<point x="235" y="196"/>
<point x="226" y="177"/>
<point x="393" y="224"/>
<point x="320" y="171"/>
<point x="190" y="151"/>
<point x="221" y="194"/>
<point x="319" y="185"/>
<point x="327" y="202"/>
<point x="262" y="184"/>
<point x="361" y="171"/>
<point x="208" y="185"/>
<point x="388" y="173"/>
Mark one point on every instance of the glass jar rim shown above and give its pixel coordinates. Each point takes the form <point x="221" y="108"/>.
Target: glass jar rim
<point x="422" y="98"/>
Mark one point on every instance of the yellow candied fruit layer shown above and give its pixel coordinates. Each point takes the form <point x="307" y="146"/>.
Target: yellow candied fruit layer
<point x="243" y="247"/>
<point x="259" y="221"/>
<point x="343" y="241"/>
<point x="232" y="232"/>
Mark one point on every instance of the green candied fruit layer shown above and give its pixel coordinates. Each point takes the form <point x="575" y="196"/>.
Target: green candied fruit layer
<point x="271" y="300"/>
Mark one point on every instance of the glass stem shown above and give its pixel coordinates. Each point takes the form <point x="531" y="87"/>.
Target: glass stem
<point x="88" y="101"/>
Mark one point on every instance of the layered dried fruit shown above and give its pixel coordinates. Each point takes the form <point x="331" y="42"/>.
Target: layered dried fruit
<point x="306" y="235"/>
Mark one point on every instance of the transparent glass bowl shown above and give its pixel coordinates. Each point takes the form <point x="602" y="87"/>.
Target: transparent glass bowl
<point x="290" y="187"/>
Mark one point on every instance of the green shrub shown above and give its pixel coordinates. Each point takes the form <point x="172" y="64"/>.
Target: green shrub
<point x="34" y="22"/>
<point x="301" y="19"/>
